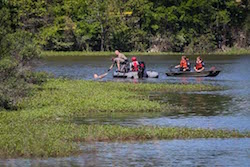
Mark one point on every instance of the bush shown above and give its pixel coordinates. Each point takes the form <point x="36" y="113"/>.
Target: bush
<point x="16" y="78"/>
<point x="203" y="44"/>
<point x="37" y="77"/>
<point x="11" y="91"/>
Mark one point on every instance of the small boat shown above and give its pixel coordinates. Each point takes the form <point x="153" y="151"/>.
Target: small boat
<point x="135" y="74"/>
<point x="210" y="73"/>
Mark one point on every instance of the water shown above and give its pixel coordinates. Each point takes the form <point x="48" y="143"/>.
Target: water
<point x="198" y="152"/>
<point x="84" y="67"/>
<point x="226" y="109"/>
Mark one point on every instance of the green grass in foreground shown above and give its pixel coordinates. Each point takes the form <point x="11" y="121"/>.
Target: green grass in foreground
<point x="42" y="128"/>
<point x="232" y="51"/>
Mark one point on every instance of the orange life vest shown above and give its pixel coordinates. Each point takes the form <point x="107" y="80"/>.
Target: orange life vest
<point x="199" y="65"/>
<point x="183" y="64"/>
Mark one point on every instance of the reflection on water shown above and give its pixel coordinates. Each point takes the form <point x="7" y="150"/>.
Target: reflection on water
<point x="198" y="152"/>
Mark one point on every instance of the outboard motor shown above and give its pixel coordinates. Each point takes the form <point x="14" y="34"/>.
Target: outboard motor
<point x="141" y="69"/>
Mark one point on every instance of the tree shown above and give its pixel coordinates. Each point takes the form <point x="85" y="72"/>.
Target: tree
<point x="18" y="50"/>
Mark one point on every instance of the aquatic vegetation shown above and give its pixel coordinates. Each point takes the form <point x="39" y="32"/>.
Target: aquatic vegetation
<point x="80" y="97"/>
<point x="25" y="135"/>
<point x="43" y="126"/>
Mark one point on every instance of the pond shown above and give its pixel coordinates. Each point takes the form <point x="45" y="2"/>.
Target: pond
<point x="226" y="109"/>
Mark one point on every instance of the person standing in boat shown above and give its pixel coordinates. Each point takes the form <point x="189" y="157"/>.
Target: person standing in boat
<point x="199" y="64"/>
<point x="120" y="60"/>
<point x="184" y="64"/>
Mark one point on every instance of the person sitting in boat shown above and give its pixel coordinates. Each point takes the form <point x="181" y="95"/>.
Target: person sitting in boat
<point x="120" y="60"/>
<point x="183" y="64"/>
<point x="199" y="64"/>
<point x="134" y="65"/>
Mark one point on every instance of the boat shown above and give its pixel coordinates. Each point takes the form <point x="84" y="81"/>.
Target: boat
<point x="135" y="74"/>
<point x="210" y="73"/>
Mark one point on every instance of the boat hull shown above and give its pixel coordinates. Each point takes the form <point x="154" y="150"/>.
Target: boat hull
<point x="193" y="74"/>
<point x="147" y="74"/>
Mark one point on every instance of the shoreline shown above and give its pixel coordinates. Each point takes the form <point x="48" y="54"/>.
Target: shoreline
<point x="106" y="53"/>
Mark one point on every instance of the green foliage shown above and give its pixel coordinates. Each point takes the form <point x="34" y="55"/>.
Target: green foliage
<point x="203" y="44"/>
<point x="104" y="25"/>
<point x="18" y="51"/>
<point x="131" y="25"/>
<point x="44" y="126"/>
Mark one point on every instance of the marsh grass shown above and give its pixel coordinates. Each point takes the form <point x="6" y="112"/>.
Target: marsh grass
<point x="43" y="127"/>
<point x="53" y="138"/>
<point x="81" y="97"/>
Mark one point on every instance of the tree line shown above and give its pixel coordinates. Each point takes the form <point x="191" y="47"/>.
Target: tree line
<point x="133" y="25"/>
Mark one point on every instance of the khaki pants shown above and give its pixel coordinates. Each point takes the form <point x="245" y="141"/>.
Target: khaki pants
<point x="117" y="59"/>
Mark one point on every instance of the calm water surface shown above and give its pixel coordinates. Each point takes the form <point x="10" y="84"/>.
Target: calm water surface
<point x="227" y="109"/>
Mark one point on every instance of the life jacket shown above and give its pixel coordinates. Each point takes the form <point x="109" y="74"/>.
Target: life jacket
<point x="135" y="66"/>
<point x="199" y="65"/>
<point x="183" y="64"/>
